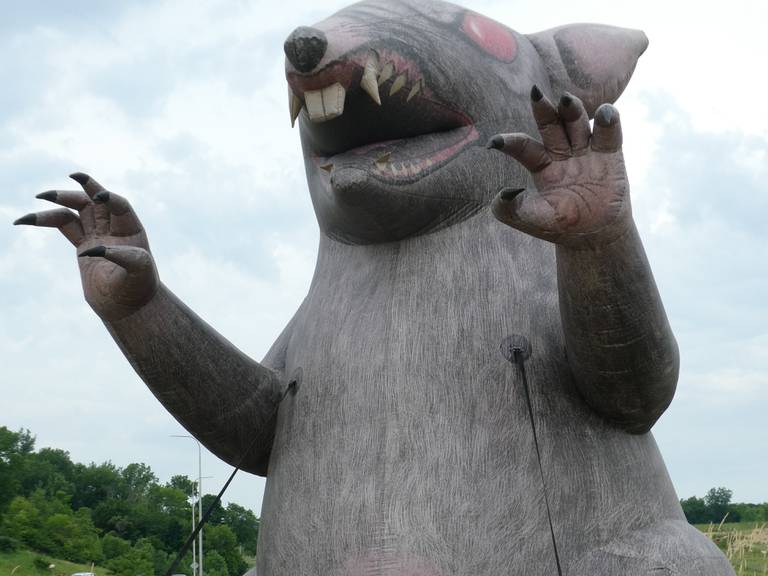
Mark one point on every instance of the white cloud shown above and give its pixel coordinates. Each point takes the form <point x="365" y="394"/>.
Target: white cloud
<point x="84" y="130"/>
<point x="705" y="56"/>
<point x="248" y="308"/>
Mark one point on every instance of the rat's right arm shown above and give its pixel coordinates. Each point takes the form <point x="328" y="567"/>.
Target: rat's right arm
<point x="225" y="399"/>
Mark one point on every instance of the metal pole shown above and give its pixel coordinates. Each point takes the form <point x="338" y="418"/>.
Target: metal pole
<point x="200" y="502"/>
<point x="195" y="564"/>
<point x="194" y="548"/>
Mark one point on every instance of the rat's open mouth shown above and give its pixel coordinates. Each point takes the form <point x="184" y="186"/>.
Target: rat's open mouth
<point x="376" y="107"/>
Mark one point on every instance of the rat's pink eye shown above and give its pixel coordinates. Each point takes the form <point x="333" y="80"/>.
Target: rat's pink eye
<point x="495" y="39"/>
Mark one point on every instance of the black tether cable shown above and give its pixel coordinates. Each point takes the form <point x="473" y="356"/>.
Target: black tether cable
<point x="518" y="355"/>
<point x="185" y="547"/>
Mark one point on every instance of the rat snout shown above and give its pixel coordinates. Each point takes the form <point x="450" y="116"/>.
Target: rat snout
<point x="305" y="48"/>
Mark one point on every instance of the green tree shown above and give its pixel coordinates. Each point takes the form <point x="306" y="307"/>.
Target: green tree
<point x="695" y="510"/>
<point x="138" y="561"/>
<point x="162" y="560"/>
<point x="14" y="447"/>
<point x="96" y="483"/>
<point x="217" y="514"/>
<point x="73" y="536"/>
<point x="49" y="469"/>
<point x="113" y="546"/>
<point x="23" y="522"/>
<point x="749" y="512"/>
<point x="718" y="500"/>
<point x="145" y="553"/>
<point x="138" y="479"/>
<point x="58" y="507"/>
<point x="113" y="515"/>
<point x="13" y="443"/>
<point x="215" y="565"/>
<point x="49" y="504"/>
<point x="168" y="500"/>
<point x="169" y="513"/>
<point x="183" y="483"/>
<point x="222" y="540"/>
<point x="244" y="524"/>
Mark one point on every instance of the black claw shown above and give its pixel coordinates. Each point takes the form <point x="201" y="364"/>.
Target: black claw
<point x="80" y="177"/>
<point x="566" y="100"/>
<point x="536" y="94"/>
<point x="28" y="219"/>
<point x="508" y="194"/>
<point x="101" y="197"/>
<point x="96" y="251"/>
<point x="50" y="195"/>
<point x="604" y="115"/>
<point x="495" y="143"/>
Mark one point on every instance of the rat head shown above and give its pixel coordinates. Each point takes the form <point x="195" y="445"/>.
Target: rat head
<point x="396" y="100"/>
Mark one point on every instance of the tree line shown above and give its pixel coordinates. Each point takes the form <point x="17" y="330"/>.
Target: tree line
<point x="716" y="507"/>
<point x="127" y="521"/>
<point x="121" y="518"/>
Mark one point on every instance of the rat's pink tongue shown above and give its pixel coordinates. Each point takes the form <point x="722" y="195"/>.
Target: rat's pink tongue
<point x="406" y="158"/>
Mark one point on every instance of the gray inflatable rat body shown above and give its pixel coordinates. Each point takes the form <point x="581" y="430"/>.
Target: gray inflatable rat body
<point x="455" y="396"/>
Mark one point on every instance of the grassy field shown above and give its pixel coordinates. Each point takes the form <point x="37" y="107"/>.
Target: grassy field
<point x="22" y="563"/>
<point x="745" y="545"/>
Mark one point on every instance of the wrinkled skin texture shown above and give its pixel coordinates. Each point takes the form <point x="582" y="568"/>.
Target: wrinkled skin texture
<point x="469" y="385"/>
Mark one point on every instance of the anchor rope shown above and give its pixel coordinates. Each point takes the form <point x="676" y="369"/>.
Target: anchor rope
<point x="520" y="362"/>
<point x="208" y="511"/>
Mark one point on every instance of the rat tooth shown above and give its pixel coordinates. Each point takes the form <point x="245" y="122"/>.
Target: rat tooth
<point x="333" y="100"/>
<point x="369" y="83"/>
<point x="327" y="167"/>
<point x="386" y="73"/>
<point x="382" y="162"/>
<point x="325" y="104"/>
<point x="295" y="104"/>
<point x="415" y="90"/>
<point x="314" y="103"/>
<point x="397" y="85"/>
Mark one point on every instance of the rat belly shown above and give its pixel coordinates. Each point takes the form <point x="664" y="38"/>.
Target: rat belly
<point x="408" y="447"/>
<point x="374" y="466"/>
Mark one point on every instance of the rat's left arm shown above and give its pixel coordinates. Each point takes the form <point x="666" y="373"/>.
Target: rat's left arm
<point x="620" y="347"/>
<point x="621" y="350"/>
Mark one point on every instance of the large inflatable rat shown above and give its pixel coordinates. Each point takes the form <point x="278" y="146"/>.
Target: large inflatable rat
<point x="468" y="387"/>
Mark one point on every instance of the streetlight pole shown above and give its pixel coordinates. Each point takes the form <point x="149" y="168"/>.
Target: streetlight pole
<point x="199" y="505"/>
<point x="194" y="548"/>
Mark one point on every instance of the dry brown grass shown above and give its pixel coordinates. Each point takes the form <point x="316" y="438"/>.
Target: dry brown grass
<point x="746" y="546"/>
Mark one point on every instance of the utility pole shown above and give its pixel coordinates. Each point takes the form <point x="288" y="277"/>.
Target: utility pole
<point x="194" y="548"/>
<point x="197" y="563"/>
<point x="200" y="504"/>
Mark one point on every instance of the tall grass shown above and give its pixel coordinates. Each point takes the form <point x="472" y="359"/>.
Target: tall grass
<point x="745" y="545"/>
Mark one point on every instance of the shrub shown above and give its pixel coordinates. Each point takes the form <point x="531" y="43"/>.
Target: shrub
<point x="8" y="544"/>
<point x="41" y="563"/>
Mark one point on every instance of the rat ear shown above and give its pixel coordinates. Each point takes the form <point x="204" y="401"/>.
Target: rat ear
<point x="591" y="61"/>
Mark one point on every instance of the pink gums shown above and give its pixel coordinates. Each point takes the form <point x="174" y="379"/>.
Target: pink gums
<point x="349" y="69"/>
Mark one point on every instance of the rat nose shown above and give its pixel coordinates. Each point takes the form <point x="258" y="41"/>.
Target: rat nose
<point x="305" y="47"/>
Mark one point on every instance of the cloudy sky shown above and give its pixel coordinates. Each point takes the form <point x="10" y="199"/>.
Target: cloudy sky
<point x="181" y="106"/>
